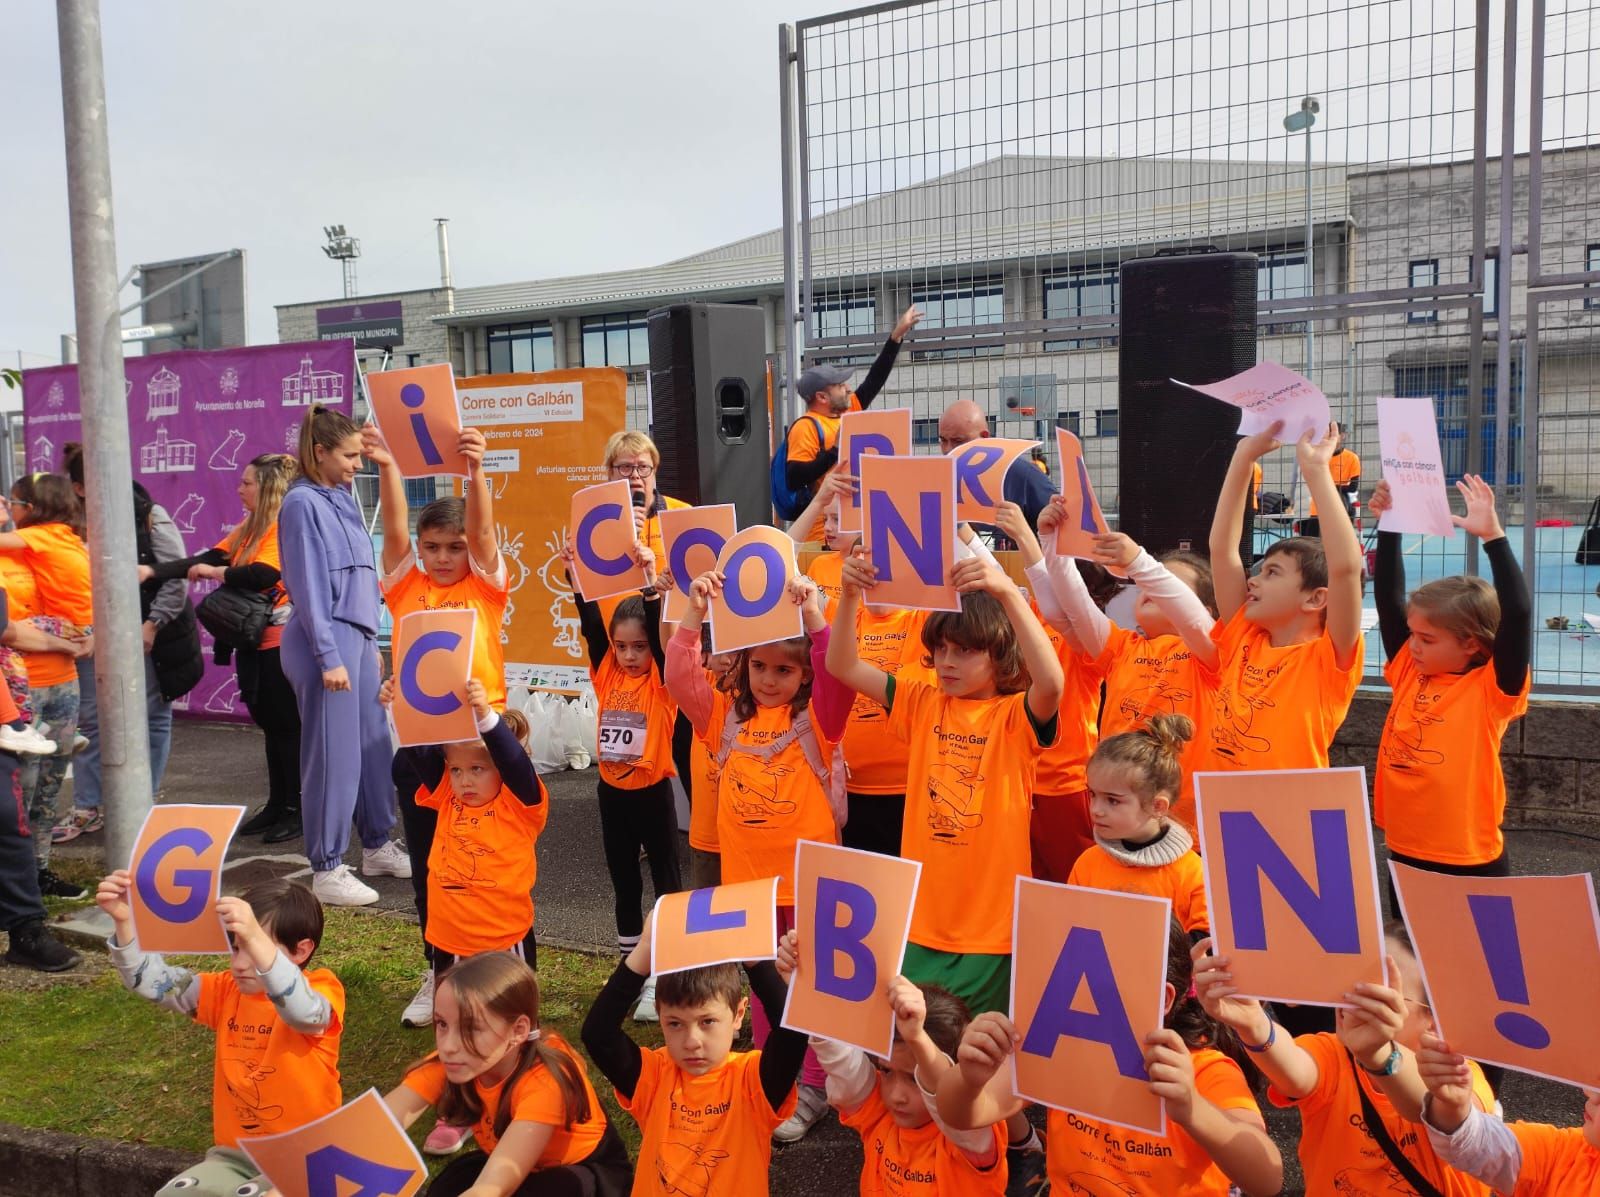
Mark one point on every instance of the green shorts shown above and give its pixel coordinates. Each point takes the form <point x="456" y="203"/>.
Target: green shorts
<point x="982" y="982"/>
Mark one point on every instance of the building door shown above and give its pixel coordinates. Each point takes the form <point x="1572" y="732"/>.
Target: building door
<point x="1447" y="386"/>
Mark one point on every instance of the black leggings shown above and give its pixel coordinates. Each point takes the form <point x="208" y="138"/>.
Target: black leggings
<point x="442" y="961"/>
<point x="631" y="820"/>
<point x="269" y="698"/>
<point x="875" y="823"/>
<point x="419" y="824"/>
<point x="606" y="1173"/>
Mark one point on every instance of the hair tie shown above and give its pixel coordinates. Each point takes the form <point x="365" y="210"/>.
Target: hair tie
<point x="1193" y="992"/>
<point x="533" y="1035"/>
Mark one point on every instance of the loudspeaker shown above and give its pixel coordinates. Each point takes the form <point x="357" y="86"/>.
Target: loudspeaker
<point x="1189" y="316"/>
<point x="708" y="406"/>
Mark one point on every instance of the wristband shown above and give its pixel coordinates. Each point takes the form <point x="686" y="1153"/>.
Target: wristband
<point x="1390" y="1066"/>
<point x="1258" y="1048"/>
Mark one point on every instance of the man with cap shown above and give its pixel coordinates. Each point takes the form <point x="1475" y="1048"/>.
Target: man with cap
<point x="964" y="421"/>
<point x="814" y="437"/>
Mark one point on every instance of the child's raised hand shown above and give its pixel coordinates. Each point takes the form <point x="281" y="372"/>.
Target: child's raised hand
<point x="973" y="574"/>
<point x="1370" y="1028"/>
<point x="1481" y="519"/>
<point x="568" y="554"/>
<point x="1171" y="1070"/>
<point x="1050" y="518"/>
<point x="1315" y="455"/>
<point x="802" y="590"/>
<point x="1008" y="517"/>
<point x="1448" y="1077"/>
<point x="112" y="896"/>
<point x="1213" y="985"/>
<point x="789" y="956"/>
<point x="702" y="590"/>
<point x="1115" y="550"/>
<point x="1261" y="443"/>
<point x="239" y="921"/>
<point x="910" y="1008"/>
<point x="472" y="445"/>
<point x="373" y="447"/>
<point x="386" y="692"/>
<point x="837" y="485"/>
<point x="478" y="698"/>
<point x="985" y="1044"/>
<point x="645" y="560"/>
<point x="1382" y="499"/>
<point x="857" y="573"/>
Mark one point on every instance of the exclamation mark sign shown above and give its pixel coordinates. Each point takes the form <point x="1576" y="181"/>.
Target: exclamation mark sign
<point x="1496" y="920"/>
<point x="412" y="395"/>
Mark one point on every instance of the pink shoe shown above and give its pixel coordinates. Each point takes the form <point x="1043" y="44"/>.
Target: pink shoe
<point x="445" y="1139"/>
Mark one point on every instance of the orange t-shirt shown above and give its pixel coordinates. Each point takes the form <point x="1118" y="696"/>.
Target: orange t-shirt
<point x="1255" y="487"/>
<point x="709" y="1136"/>
<point x="481" y="870"/>
<point x="1063" y="769"/>
<point x="921" y="1162"/>
<point x="827" y="570"/>
<point x="22" y="600"/>
<point x="1158" y="676"/>
<point x="1343" y="466"/>
<point x="537" y="1098"/>
<point x="410" y="589"/>
<point x="1555" y="1160"/>
<point x="1336" y="1152"/>
<point x="650" y="537"/>
<point x="804" y="445"/>
<point x="268" y="1078"/>
<point x="1085" y="1155"/>
<point x="703" y="796"/>
<point x="1276" y="708"/>
<point x="1183" y="882"/>
<point x="1440" y="792"/>
<point x="634" y="725"/>
<point x="969" y="802"/>
<point x="764" y="806"/>
<point x="60" y="564"/>
<point x="265" y="553"/>
<point x="890" y="640"/>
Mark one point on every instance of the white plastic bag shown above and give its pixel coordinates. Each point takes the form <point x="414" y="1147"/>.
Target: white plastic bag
<point x="588" y="723"/>
<point x="544" y="734"/>
<point x="573" y="738"/>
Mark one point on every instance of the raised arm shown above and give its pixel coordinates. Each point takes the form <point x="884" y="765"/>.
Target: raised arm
<point x="883" y="364"/>
<point x="1046" y="681"/>
<point x="1389" y="578"/>
<point x="145" y="973"/>
<point x="391" y="500"/>
<point x="1228" y="571"/>
<point x="1513" y="642"/>
<point x="1235" y="1139"/>
<point x="511" y="760"/>
<point x="1284" y="1062"/>
<point x="684" y="677"/>
<point x="785" y="1050"/>
<point x="843" y="658"/>
<point x="837" y="485"/>
<point x="482" y="544"/>
<point x="977" y="1091"/>
<point x="1181" y="605"/>
<point x="1339" y="545"/>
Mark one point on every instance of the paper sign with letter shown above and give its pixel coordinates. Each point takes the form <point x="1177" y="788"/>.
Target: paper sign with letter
<point x="432" y="664"/>
<point x="1087" y="985"/>
<point x="1512" y="967"/>
<point x="691" y="540"/>
<point x="1408" y="440"/>
<point x="603" y="541"/>
<point x="910" y="516"/>
<point x="417" y="412"/>
<point x="1268" y="392"/>
<point x="853" y="914"/>
<point x="864" y="433"/>
<point x="725" y="925"/>
<point x="1083" y="519"/>
<point x="981" y="467"/>
<point x="1290" y="881"/>
<point x="753" y="607"/>
<point x="177" y="877"/>
<point x="359" y="1150"/>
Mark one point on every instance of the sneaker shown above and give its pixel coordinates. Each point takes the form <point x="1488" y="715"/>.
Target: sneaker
<point x="420" y="1012"/>
<point x="262" y="821"/>
<point x="81" y="821"/>
<point x="445" y="1139"/>
<point x="341" y="887"/>
<point x="1025" y="1170"/>
<point x="388" y="861"/>
<point x="79" y="743"/>
<point x="810" y="1105"/>
<point x="25" y="740"/>
<point x="645" y="1011"/>
<point x="52" y="886"/>
<point x="32" y="946"/>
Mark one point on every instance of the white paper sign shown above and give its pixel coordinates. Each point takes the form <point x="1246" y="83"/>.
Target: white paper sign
<point x="1268" y="392"/>
<point x="1408" y="441"/>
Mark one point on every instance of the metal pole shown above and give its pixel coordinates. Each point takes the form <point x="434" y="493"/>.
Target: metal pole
<point x="119" y="660"/>
<point x="791" y="297"/>
<point x="1502" y="361"/>
<point x="1311" y="277"/>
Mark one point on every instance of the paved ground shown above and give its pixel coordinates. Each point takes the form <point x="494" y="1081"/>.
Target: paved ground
<point x="219" y="763"/>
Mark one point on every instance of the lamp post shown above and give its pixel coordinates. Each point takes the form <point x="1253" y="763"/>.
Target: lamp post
<point x="1298" y="121"/>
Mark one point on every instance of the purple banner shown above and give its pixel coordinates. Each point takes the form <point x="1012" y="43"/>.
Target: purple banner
<point x="195" y="419"/>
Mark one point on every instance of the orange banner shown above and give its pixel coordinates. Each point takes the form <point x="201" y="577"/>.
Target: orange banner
<point x="1512" y="967"/>
<point x="432" y="663"/>
<point x="725" y="925"/>
<point x="1290" y="881"/>
<point x="981" y="467"/>
<point x="691" y="540"/>
<point x="853" y="914"/>
<point x="910" y="537"/>
<point x="603" y="540"/>
<point x="358" y="1149"/>
<point x="1088" y="983"/>
<point x="754" y="607"/>
<point x="1084" y="519"/>
<point x="177" y="877"/>
<point x="864" y="433"/>
<point x="416" y="410"/>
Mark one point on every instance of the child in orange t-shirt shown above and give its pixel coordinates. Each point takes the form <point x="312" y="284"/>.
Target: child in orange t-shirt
<point x="277" y="1024"/>
<point x="705" y="850"/>
<point x="1139" y="849"/>
<point x="539" y="1124"/>
<point x="1457" y="655"/>
<point x="1216" y="1141"/>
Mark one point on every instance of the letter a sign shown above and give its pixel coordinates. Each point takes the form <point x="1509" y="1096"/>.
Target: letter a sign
<point x="357" y="1151"/>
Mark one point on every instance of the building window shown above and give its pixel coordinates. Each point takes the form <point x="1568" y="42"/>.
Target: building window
<point x="1072" y="421"/>
<point x="616" y="339"/>
<point x="1591" y="263"/>
<point x="1491" y="286"/>
<point x="521" y="349"/>
<point x="1424" y="273"/>
<point x="1105" y="421"/>
<point x="1282" y="275"/>
<point x="960" y="305"/>
<point x="925" y="431"/>
<point x="844" y="316"/>
<point x="1081" y="293"/>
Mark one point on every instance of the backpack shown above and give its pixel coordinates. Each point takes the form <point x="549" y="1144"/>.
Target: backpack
<point x="829" y="774"/>
<point x="787" y="502"/>
<point x="1589" y="541"/>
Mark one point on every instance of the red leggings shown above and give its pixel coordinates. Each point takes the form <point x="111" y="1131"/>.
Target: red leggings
<point x="1060" y="833"/>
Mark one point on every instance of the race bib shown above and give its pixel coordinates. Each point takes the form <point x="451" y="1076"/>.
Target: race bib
<point x="621" y="735"/>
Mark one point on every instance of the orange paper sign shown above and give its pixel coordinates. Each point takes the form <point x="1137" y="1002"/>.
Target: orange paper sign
<point x="1290" y="881"/>
<point x="691" y="540"/>
<point x="359" y="1149"/>
<point x="853" y="914"/>
<point x="1084" y="519"/>
<point x="603" y="540"/>
<point x="417" y="413"/>
<point x="981" y="467"/>
<point x="1087" y="985"/>
<point x="177" y="877"/>
<point x="1512" y="967"/>
<point x="753" y="606"/>
<point x="432" y="662"/>
<point x="864" y="433"/>
<point x="725" y="925"/>
<point x="910" y="508"/>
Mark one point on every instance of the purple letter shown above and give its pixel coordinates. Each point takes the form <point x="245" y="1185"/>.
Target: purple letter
<point x="196" y="881"/>
<point x="969" y="466"/>
<point x="926" y="558"/>
<point x="770" y="593"/>
<point x="1495" y="917"/>
<point x="677" y="560"/>
<point x="1251" y="853"/>
<point x="327" y="1166"/>
<point x="849" y="937"/>
<point x="412" y="396"/>
<point x="701" y="917"/>
<point x="608" y="567"/>
<point x="428" y="642"/>
<point x="868" y="442"/>
<point x="1083" y="961"/>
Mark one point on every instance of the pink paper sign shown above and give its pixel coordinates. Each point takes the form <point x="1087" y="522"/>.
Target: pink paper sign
<point x="1408" y="440"/>
<point x="1267" y="392"/>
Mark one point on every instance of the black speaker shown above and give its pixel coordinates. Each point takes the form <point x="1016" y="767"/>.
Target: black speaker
<point x="708" y="405"/>
<point x="1189" y="316"/>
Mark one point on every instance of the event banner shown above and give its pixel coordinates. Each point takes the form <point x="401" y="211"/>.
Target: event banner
<point x="195" y="419"/>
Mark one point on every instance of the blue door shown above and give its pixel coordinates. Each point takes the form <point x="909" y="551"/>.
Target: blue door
<point x="1447" y="386"/>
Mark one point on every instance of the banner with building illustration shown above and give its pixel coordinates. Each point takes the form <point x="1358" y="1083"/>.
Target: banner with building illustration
<point x="195" y="419"/>
<point x="547" y="437"/>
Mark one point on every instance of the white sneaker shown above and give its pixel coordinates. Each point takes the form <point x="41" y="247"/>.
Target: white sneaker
<point x="420" y="1012"/>
<point x="388" y="861"/>
<point x="341" y="887"/>
<point x="26" y="740"/>
<point x="645" y="1011"/>
<point x="810" y="1105"/>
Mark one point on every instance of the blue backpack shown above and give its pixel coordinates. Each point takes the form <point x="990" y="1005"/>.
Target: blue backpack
<point x="788" y="502"/>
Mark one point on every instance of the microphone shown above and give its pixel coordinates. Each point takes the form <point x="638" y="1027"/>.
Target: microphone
<point x="637" y="497"/>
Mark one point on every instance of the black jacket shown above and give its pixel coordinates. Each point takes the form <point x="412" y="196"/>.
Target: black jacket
<point x="176" y="653"/>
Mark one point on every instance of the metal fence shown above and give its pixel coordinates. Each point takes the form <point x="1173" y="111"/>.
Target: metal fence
<point x="1414" y="178"/>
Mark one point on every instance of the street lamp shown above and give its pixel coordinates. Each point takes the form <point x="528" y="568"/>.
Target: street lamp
<point x="1302" y="119"/>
